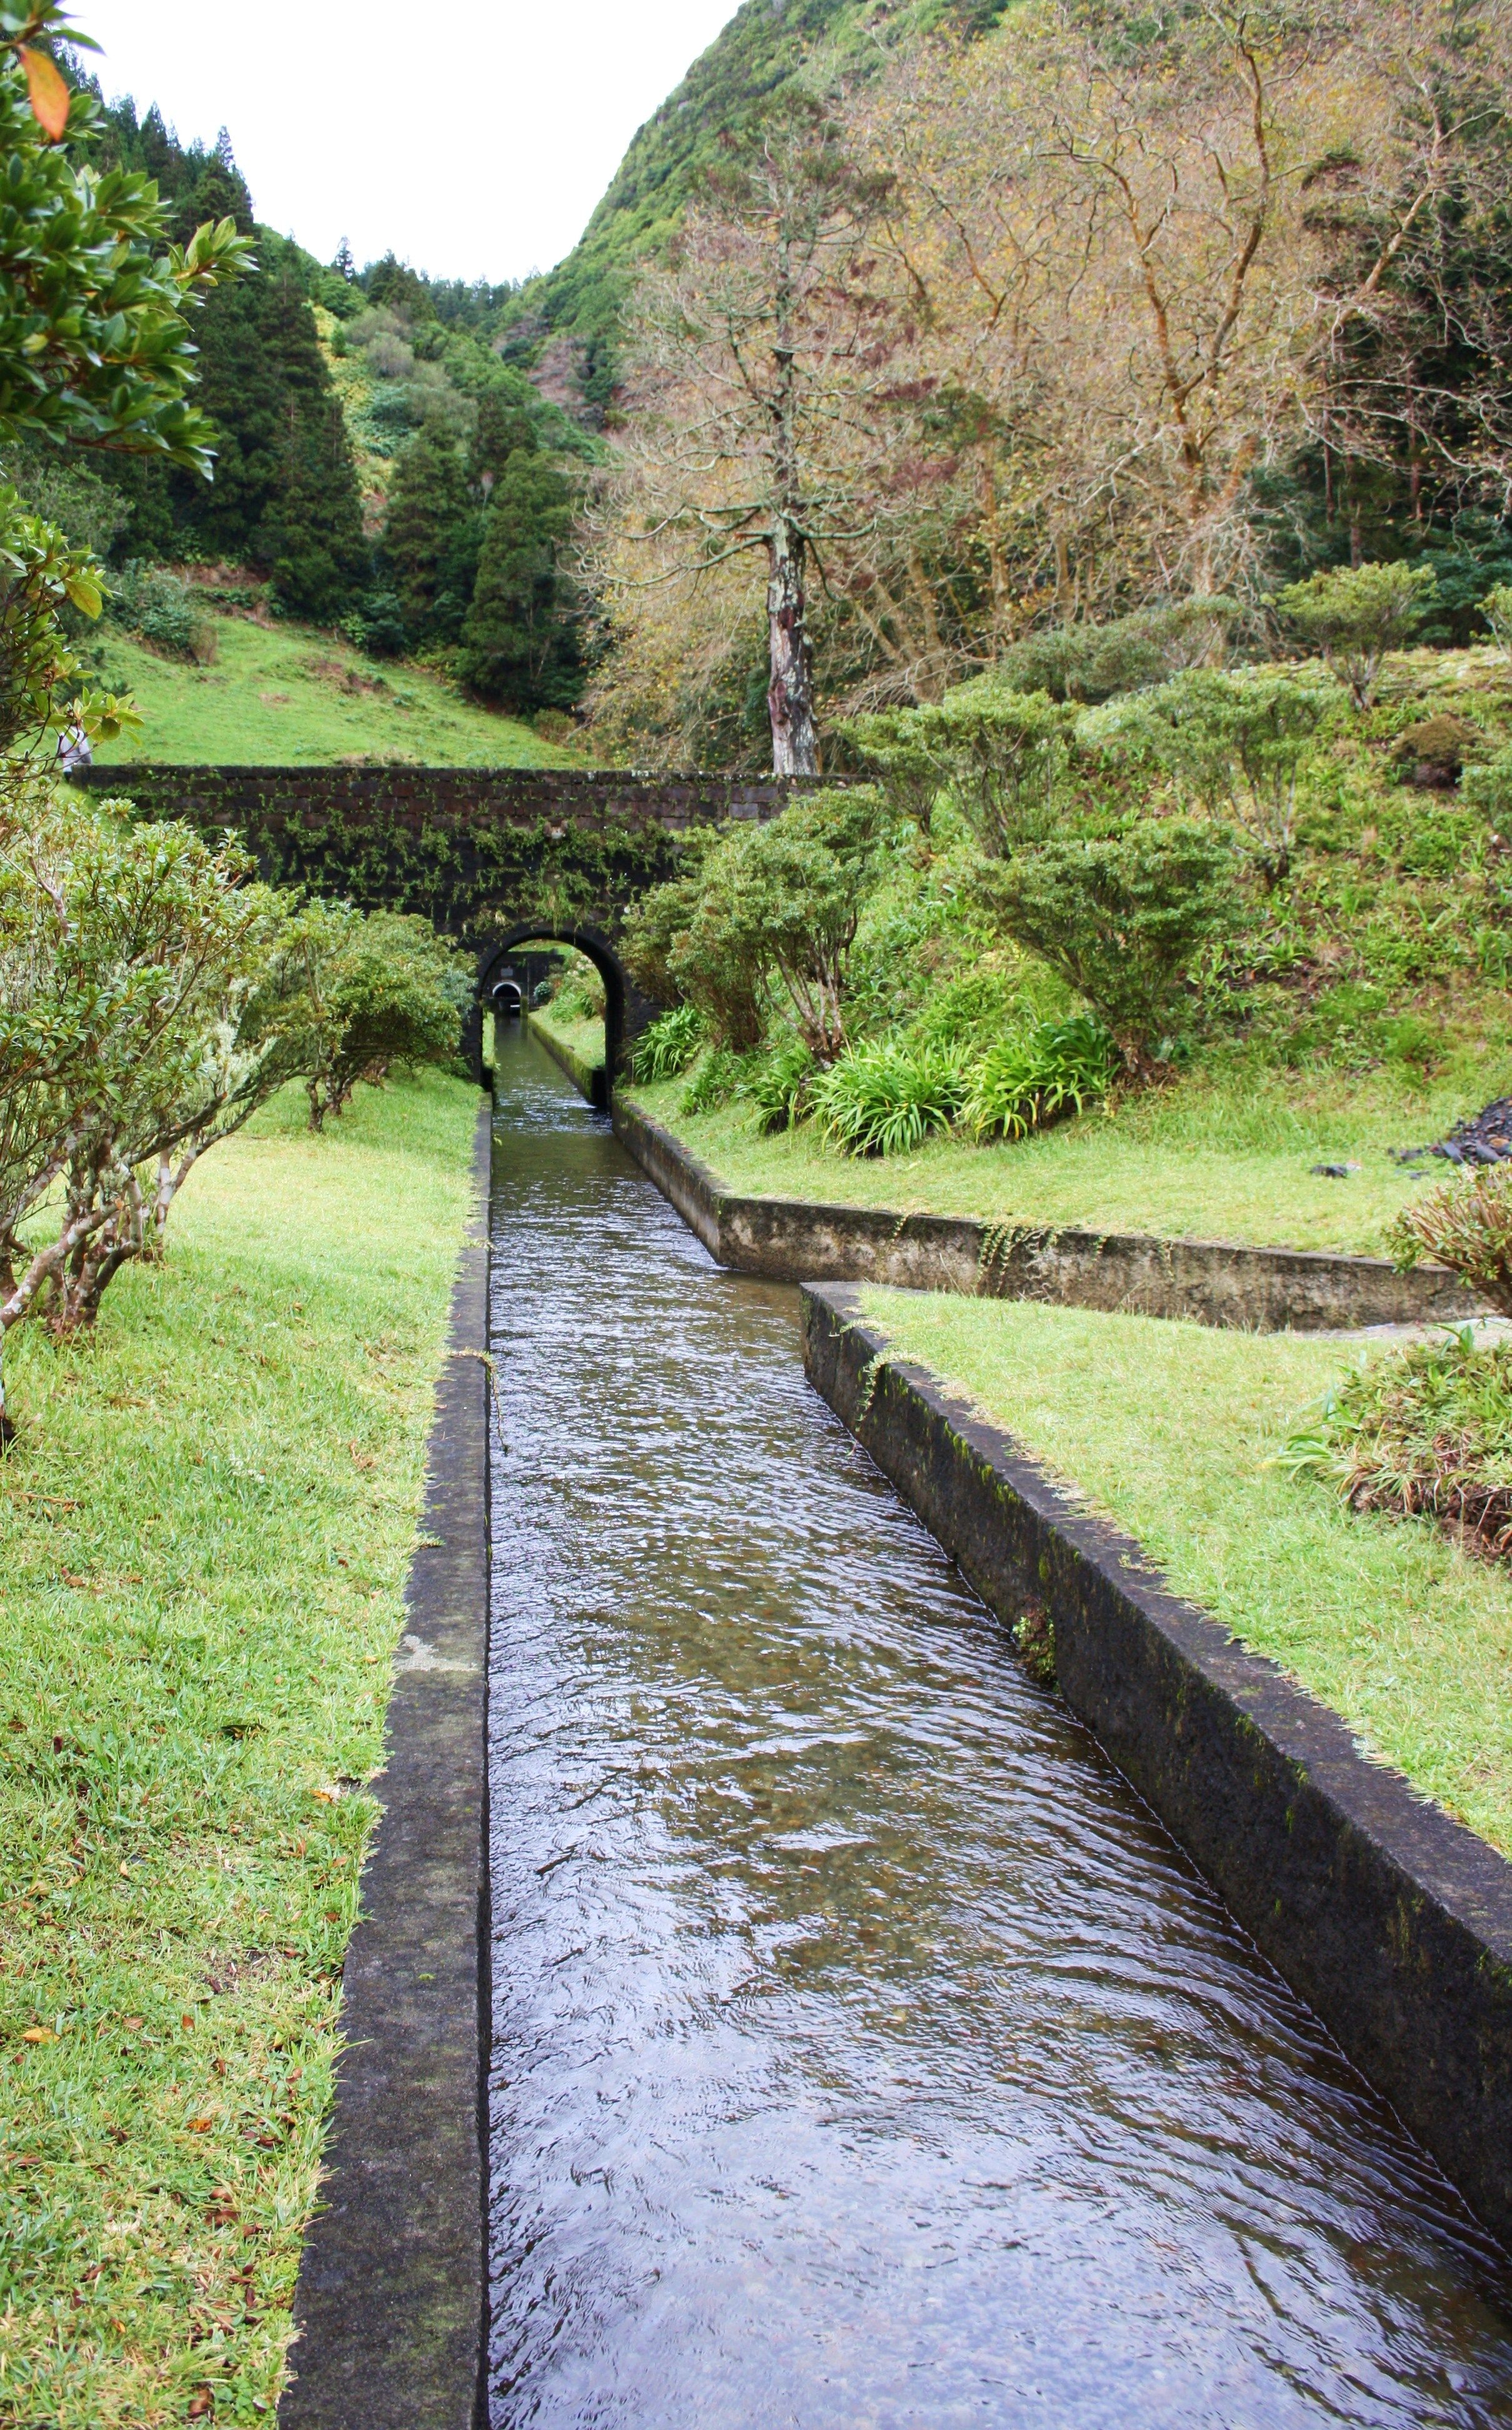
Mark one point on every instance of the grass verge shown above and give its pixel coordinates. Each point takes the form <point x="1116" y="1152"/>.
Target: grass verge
<point x="1217" y="1157"/>
<point x="1166" y="1429"/>
<point x="582" y="1039"/>
<point x="281" y="694"/>
<point x="204" y="1537"/>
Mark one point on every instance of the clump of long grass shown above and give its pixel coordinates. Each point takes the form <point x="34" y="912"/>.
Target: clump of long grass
<point x="885" y="1096"/>
<point x="668" y="1045"/>
<point x="1030" y="1079"/>
<point x="780" y="1085"/>
<point x="719" y="1075"/>
<point x="1424" y="1432"/>
<point x="1465" y="1225"/>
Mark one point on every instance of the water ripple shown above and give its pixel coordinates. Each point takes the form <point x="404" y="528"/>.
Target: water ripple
<point x="864" y="2053"/>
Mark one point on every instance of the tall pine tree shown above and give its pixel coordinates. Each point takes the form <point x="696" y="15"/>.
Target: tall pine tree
<point x="431" y="536"/>
<point x="522" y="640"/>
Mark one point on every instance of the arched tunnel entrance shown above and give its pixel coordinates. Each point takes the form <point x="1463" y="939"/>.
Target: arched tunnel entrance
<point x="506" y="965"/>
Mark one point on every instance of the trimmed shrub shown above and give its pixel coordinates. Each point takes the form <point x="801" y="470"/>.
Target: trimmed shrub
<point x="1354" y="613"/>
<point x="1093" y="662"/>
<point x="1235" y="743"/>
<point x="1122" y="917"/>
<point x="1009" y="756"/>
<point x="1030" y="1080"/>
<point x="885" y="1097"/>
<point x="1497" y="609"/>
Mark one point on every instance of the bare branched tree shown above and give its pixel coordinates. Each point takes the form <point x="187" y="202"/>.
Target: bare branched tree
<point x="748" y="406"/>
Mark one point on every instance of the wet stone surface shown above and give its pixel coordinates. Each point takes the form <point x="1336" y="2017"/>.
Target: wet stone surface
<point x="864" y="2051"/>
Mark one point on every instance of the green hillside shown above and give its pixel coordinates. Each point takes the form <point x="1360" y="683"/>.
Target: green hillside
<point x="278" y="694"/>
<point x="765" y="46"/>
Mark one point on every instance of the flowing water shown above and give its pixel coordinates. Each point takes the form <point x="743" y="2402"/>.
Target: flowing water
<point x="865" y="2052"/>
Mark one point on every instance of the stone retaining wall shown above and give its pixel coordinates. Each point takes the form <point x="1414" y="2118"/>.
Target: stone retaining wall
<point x="1391" y="1921"/>
<point x="590" y="1080"/>
<point x="390" y="2306"/>
<point x="1207" y="1282"/>
<point x="455" y="797"/>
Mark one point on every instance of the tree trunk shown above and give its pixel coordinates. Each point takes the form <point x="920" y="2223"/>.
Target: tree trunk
<point x="790" y="692"/>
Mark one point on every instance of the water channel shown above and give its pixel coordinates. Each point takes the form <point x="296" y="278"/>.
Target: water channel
<point x="865" y="2052"/>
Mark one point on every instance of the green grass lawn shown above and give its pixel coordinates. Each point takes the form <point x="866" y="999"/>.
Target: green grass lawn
<point x="582" y="1037"/>
<point x="1166" y="1429"/>
<point x="278" y="694"/>
<point x="204" y="1537"/>
<point x="1209" y="1159"/>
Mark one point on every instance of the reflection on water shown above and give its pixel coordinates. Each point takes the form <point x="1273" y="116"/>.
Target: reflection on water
<point x="864" y="2051"/>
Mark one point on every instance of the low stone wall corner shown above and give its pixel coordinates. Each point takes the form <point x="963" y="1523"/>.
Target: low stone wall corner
<point x="1254" y="1289"/>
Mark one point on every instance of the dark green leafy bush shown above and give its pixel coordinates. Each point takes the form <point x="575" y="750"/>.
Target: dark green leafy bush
<point x="163" y="610"/>
<point x="1122" y="919"/>
<point x="683" y="940"/>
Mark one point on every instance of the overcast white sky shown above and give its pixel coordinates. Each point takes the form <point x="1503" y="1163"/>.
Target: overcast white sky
<point x="474" y="139"/>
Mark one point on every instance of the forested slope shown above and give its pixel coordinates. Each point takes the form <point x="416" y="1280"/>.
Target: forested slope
<point x="765" y="47"/>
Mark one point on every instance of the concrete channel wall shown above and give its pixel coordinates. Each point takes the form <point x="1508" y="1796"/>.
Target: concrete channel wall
<point x="1207" y="1282"/>
<point x="590" y="1080"/>
<point x="1391" y="1921"/>
<point x="390" y="2306"/>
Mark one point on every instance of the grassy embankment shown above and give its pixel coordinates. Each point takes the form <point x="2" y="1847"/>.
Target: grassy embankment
<point x="1205" y="1158"/>
<point x="1378" y="1014"/>
<point x="1167" y="1430"/>
<point x="580" y="1035"/>
<point x="204" y="1537"/>
<point x="277" y="694"/>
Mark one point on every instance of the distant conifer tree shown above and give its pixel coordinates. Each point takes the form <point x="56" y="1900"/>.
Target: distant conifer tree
<point x="522" y="641"/>
<point x="430" y="536"/>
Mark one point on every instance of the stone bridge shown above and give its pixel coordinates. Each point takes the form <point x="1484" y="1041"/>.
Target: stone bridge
<point x="494" y="857"/>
